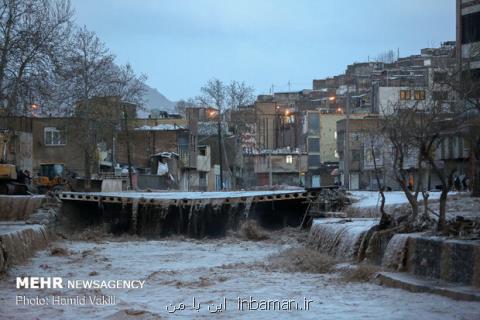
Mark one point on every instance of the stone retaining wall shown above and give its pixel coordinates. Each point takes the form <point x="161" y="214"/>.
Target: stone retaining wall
<point x="451" y="260"/>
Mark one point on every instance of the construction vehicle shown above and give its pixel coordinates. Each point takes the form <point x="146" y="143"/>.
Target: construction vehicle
<point x="9" y="183"/>
<point x="9" y="179"/>
<point x="51" y="178"/>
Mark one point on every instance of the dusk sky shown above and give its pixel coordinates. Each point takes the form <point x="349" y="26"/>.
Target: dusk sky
<point x="181" y="44"/>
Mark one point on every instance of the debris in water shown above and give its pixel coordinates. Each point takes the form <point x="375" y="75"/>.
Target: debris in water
<point x="59" y="251"/>
<point x="300" y="260"/>
<point x="251" y="230"/>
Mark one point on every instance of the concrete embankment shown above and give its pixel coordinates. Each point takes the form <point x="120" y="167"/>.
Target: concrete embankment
<point x="19" y="241"/>
<point x="417" y="254"/>
<point x="20" y="234"/>
<point x="435" y="258"/>
<point x="19" y="207"/>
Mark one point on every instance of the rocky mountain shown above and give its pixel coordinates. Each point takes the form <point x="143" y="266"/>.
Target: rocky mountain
<point x="155" y="100"/>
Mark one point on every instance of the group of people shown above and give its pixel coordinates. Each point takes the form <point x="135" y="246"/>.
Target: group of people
<point x="461" y="183"/>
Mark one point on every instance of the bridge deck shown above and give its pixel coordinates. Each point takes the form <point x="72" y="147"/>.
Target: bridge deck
<point x="187" y="197"/>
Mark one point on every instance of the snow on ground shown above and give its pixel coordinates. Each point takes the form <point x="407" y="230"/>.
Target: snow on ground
<point x="160" y="127"/>
<point x="190" y="195"/>
<point x="367" y="199"/>
<point x="177" y="271"/>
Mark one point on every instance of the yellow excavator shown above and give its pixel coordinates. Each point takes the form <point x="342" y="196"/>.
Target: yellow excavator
<point x="9" y="179"/>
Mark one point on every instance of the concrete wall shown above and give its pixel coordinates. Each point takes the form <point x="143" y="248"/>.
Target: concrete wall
<point x="70" y="153"/>
<point x="328" y="136"/>
<point x="144" y="144"/>
<point x="279" y="163"/>
<point x="24" y="151"/>
<point x="265" y="112"/>
<point x="388" y="99"/>
<point x="204" y="161"/>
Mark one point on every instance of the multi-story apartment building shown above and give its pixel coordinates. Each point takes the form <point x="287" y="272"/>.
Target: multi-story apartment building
<point x="468" y="34"/>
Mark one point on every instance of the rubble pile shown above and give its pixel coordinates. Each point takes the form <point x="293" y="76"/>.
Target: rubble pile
<point x="329" y="200"/>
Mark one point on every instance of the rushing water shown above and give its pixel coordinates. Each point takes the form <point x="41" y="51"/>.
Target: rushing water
<point x="395" y="254"/>
<point x="340" y="238"/>
<point x="178" y="271"/>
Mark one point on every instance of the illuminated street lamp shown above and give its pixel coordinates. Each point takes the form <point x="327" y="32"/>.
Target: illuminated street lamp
<point x="34" y="109"/>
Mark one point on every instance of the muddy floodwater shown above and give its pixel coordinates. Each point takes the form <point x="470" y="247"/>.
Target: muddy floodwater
<point x="185" y="278"/>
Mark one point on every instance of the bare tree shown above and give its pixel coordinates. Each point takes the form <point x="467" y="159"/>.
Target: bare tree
<point x="32" y="34"/>
<point x="128" y="88"/>
<point x="222" y="96"/>
<point x="418" y="130"/>
<point x="387" y="56"/>
<point x="431" y="126"/>
<point x="396" y="128"/>
<point x="239" y="94"/>
<point x="86" y="74"/>
<point x="182" y="105"/>
<point x="215" y="93"/>
<point x="373" y="149"/>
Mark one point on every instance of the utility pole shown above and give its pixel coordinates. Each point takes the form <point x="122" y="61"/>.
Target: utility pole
<point x="346" y="164"/>
<point x="219" y="135"/>
<point x="270" y="169"/>
<point x="129" y="156"/>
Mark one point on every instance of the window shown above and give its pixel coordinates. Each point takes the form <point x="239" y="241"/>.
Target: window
<point x="313" y="145"/>
<point x="405" y="95"/>
<point x="419" y="94"/>
<point x="313" y="122"/>
<point x="202" y="180"/>
<point x="202" y="151"/>
<point x="439" y="76"/>
<point x="289" y="159"/>
<point x="440" y="95"/>
<point x="54" y="136"/>
<point x="471" y="28"/>
<point x="369" y="156"/>
<point x="355" y="155"/>
<point x="315" y="181"/>
<point x="313" y="160"/>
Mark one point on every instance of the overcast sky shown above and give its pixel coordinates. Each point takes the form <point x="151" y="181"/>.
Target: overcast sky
<point x="180" y="44"/>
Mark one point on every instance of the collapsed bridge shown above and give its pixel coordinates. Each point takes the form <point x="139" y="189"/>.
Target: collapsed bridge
<point x="196" y="214"/>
